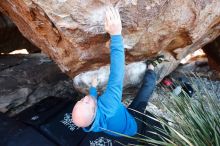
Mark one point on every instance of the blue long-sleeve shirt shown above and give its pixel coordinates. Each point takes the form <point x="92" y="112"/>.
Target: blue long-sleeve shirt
<point x="111" y="114"/>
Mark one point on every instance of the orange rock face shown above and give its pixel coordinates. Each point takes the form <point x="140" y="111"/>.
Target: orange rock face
<point x="71" y="31"/>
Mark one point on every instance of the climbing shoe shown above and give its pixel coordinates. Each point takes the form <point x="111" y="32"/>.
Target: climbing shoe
<point x="156" y="61"/>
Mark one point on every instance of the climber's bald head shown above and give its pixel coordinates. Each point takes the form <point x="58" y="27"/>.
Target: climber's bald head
<point x="84" y="111"/>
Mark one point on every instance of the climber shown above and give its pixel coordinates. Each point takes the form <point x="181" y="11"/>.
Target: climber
<point x="107" y="113"/>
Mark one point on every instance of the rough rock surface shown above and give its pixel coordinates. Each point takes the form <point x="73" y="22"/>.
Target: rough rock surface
<point x="134" y="73"/>
<point x="71" y="31"/>
<point x="27" y="79"/>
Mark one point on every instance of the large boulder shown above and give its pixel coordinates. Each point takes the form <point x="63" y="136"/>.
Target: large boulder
<point x="27" y="79"/>
<point x="71" y="31"/>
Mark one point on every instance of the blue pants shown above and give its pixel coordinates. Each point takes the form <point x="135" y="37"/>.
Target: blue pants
<point x="140" y="102"/>
<point x="149" y="82"/>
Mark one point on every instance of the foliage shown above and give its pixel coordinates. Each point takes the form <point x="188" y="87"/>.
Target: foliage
<point x="195" y="121"/>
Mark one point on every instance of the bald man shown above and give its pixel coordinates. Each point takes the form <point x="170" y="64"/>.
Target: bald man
<point x="107" y="113"/>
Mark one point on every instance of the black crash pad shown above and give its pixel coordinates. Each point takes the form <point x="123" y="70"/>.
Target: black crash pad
<point x="48" y="123"/>
<point x="14" y="133"/>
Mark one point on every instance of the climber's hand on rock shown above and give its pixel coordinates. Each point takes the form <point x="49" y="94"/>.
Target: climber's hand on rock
<point x="112" y="21"/>
<point x="94" y="81"/>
